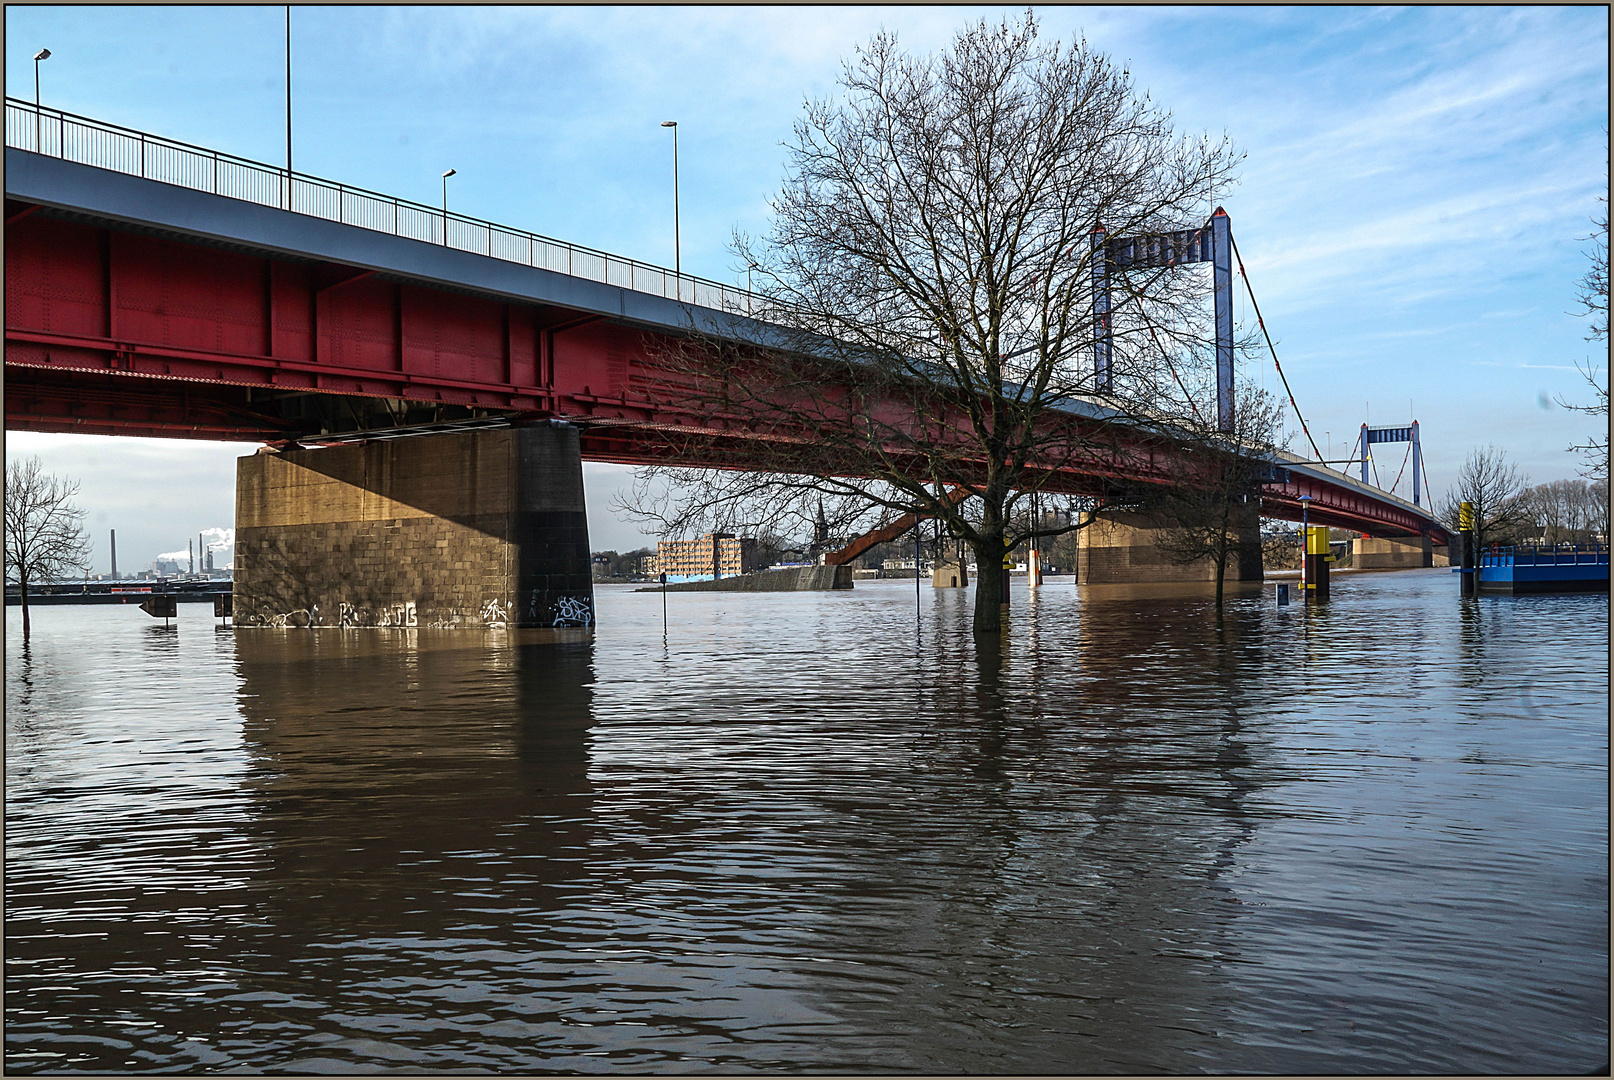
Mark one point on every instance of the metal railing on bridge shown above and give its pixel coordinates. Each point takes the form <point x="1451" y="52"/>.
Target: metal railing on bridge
<point x="1546" y="555"/>
<point x="107" y="146"/>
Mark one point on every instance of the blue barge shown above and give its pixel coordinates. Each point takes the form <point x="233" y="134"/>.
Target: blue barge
<point x="1562" y="569"/>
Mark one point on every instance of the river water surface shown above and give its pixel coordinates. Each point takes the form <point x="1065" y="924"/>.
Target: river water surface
<point x="819" y="832"/>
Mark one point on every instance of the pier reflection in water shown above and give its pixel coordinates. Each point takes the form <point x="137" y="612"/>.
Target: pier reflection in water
<point x="1131" y="837"/>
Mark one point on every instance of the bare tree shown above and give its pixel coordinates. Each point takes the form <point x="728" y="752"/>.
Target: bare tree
<point x="1567" y="511"/>
<point x="927" y="279"/>
<point x="1593" y="300"/>
<point x="1594" y="451"/>
<point x="45" y="537"/>
<point x="1214" y="505"/>
<point x="1593" y="295"/>
<point x="1496" y="489"/>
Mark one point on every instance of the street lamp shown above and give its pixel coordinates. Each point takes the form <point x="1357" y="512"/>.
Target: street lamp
<point x="678" y="268"/>
<point x="288" y="106"/>
<point x="42" y="54"/>
<point x="446" y="175"/>
<point x="749" y="304"/>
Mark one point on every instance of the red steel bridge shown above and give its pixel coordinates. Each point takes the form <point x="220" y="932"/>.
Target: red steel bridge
<point x="160" y="289"/>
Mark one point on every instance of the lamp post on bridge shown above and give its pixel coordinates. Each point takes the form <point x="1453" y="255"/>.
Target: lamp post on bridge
<point x="288" y="106"/>
<point x="446" y="175"/>
<point x="678" y="269"/>
<point x="39" y="121"/>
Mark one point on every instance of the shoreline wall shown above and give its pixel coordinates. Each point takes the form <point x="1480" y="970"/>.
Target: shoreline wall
<point x="794" y="579"/>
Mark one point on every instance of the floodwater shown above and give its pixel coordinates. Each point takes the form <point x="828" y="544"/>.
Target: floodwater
<point x="819" y="832"/>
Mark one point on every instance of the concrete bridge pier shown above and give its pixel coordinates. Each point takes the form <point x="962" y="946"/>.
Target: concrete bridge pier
<point x="1122" y="548"/>
<point x="473" y="528"/>
<point x="1398" y="553"/>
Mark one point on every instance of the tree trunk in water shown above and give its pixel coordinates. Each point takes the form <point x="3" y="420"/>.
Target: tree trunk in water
<point x="22" y="587"/>
<point x="989" y="596"/>
<point x="1221" y="572"/>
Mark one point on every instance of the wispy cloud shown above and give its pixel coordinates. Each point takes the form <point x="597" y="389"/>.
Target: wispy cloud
<point x="1417" y="185"/>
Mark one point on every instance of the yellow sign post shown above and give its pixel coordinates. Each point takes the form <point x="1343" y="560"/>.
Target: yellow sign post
<point x="1318" y="557"/>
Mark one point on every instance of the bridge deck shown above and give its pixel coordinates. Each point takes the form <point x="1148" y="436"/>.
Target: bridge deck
<point x="151" y="306"/>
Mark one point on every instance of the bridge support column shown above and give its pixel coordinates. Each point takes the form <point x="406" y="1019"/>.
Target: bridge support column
<point x="465" y="529"/>
<point x="1406" y="553"/>
<point x="1122" y="548"/>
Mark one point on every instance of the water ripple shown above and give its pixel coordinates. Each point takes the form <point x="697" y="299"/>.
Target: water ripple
<point x="814" y="832"/>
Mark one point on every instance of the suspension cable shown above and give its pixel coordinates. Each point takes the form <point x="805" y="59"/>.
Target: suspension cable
<point x="1262" y="323"/>
<point x="1405" y="458"/>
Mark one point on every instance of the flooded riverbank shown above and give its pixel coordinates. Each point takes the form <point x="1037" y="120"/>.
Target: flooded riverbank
<point x="819" y="831"/>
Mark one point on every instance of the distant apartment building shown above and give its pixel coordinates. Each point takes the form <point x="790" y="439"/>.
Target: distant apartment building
<point x="692" y="560"/>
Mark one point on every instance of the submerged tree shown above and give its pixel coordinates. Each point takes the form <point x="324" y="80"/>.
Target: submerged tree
<point x="1496" y="490"/>
<point x="45" y="538"/>
<point x="1213" y="508"/>
<point x="927" y="281"/>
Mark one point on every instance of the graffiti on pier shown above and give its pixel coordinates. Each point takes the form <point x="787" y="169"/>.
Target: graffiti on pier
<point x="496" y="613"/>
<point x="573" y="611"/>
<point x="402" y="614"/>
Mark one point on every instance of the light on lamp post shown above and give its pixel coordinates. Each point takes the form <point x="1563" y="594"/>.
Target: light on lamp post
<point x="446" y="175"/>
<point x="678" y="268"/>
<point x="42" y="54"/>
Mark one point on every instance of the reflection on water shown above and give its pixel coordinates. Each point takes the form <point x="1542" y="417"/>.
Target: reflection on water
<point x="811" y="831"/>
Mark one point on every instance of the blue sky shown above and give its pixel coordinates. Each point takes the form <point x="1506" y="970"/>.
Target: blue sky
<point x="1412" y="209"/>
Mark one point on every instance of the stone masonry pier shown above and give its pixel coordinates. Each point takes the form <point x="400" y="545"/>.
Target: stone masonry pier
<point x="464" y="529"/>
<point x="1370" y="553"/>
<point x="1122" y="548"/>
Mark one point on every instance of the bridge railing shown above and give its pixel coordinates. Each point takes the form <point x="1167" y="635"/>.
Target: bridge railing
<point x="107" y="146"/>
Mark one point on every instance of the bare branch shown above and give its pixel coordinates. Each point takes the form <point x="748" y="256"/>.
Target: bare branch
<point x="927" y="275"/>
<point x="45" y="537"/>
<point x="1213" y="507"/>
<point x="1496" y="490"/>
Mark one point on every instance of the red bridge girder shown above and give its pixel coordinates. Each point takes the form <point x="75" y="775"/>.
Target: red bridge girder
<point x="1343" y="507"/>
<point x="115" y="331"/>
<point x="101" y="301"/>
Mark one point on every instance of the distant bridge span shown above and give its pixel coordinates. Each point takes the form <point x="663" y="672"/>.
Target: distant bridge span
<point x="140" y="301"/>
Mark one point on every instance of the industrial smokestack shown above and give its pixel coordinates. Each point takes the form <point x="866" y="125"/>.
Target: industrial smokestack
<point x="192" y="554"/>
<point x="114" y="554"/>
